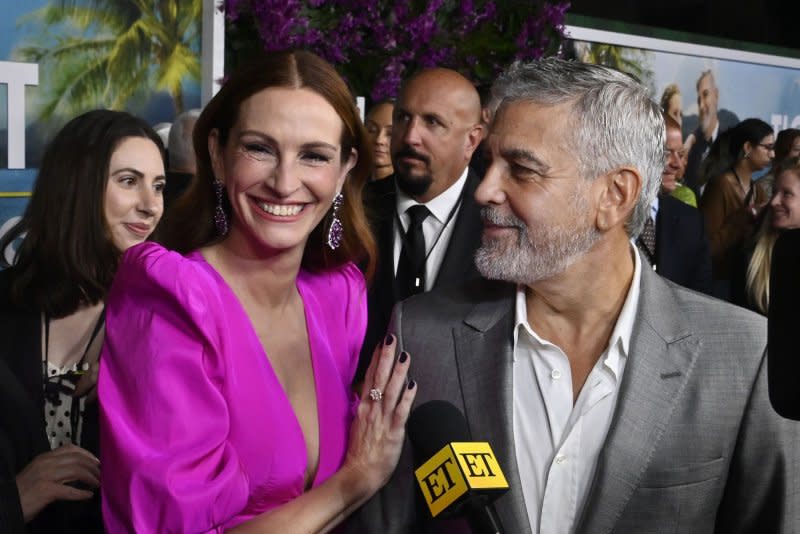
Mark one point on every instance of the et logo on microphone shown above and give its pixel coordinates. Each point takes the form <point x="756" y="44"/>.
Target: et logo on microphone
<point x="457" y="469"/>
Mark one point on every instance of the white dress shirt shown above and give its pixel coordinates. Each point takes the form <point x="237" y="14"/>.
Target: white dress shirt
<point x="434" y="225"/>
<point x="557" y="443"/>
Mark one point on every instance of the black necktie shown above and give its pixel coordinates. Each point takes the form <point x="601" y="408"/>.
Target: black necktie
<point x="411" y="267"/>
<point x="647" y="240"/>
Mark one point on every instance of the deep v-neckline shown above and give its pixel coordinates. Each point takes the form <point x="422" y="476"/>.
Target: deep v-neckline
<point x="299" y="284"/>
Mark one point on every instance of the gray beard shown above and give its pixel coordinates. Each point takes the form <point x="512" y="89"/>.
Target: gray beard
<point x="550" y="252"/>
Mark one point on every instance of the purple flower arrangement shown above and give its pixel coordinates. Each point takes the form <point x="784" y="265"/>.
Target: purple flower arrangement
<point x="375" y="43"/>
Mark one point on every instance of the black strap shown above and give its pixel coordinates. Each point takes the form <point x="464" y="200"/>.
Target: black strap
<point x="74" y="411"/>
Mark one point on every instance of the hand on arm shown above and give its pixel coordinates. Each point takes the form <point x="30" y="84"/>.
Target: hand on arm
<point x="376" y="439"/>
<point x="45" y="479"/>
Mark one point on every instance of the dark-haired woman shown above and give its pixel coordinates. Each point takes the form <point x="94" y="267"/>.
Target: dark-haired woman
<point x="731" y="201"/>
<point x="98" y="191"/>
<point x="225" y="385"/>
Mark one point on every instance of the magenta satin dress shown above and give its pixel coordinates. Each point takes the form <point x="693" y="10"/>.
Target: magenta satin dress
<point x="197" y="434"/>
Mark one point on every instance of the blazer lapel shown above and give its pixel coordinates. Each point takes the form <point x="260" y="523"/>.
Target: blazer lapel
<point x="484" y="358"/>
<point x="458" y="263"/>
<point x="661" y="359"/>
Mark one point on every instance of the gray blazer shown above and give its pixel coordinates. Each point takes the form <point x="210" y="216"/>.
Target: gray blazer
<point x="693" y="447"/>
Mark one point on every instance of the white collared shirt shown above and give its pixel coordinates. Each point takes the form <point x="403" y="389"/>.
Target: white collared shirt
<point x="557" y="444"/>
<point x="434" y="225"/>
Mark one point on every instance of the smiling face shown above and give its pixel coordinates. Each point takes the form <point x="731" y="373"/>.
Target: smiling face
<point x="537" y="213"/>
<point x="281" y="166"/>
<point x="707" y="101"/>
<point x="674" y="164"/>
<point x="785" y="201"/>
<point x="133" y="200"/>
<point x="379" y="128"/>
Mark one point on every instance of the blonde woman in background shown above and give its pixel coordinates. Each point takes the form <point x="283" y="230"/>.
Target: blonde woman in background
<point x="782" y="214"/>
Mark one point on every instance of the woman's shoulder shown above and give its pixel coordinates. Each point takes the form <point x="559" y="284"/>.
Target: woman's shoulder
<point x="149" y="268"/>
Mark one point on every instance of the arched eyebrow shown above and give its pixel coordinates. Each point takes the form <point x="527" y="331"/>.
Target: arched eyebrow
<point x="521" y="155"/>
<point x="131" y="170"/>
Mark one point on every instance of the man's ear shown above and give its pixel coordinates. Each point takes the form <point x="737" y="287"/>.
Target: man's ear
<point x="474" y="138"/>
<point x="619" y="191"/>
<point x="215" y="150"/>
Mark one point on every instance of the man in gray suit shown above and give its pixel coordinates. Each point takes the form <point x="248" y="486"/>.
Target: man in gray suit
<point x="615" y="401"/>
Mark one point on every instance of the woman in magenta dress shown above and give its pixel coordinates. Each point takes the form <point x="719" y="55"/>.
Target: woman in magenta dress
<point x="225" y="385"/>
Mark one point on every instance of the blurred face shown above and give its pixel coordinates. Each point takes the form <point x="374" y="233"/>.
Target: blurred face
<point x="674" y="108"/>
<point x="434" y="132"/>
<point x="379" y="128"/>
<point x="281" y="167"/>
<point x="785" y="201"/>
<point x="795" y="150"/>
<point x="537" y="217"/>
<point x="707" y="96"/>
<point x="674" y="164"/>
<point x="762" y="153"/>
<point x="133" y="201"/>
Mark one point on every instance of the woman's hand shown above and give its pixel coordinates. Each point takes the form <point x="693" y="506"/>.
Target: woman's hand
<point x="378" y="432"/>
<point x="45" y="479"/>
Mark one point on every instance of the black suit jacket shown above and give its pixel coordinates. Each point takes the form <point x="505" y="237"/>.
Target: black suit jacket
<point x="727" y="119"/>
<point x="22" y="423"/>
<point x="458" y="265"/>
<point x="683" y="254"/>
<point x="783" y="319"/>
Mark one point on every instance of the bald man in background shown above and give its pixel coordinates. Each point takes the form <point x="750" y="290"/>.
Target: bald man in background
<point x="424" y="216"/>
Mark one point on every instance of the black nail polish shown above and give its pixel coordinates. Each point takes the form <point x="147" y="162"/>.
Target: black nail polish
<point x="403" y="357"/>
<point x="412" y="384"/>
<point x="389" y="339"/>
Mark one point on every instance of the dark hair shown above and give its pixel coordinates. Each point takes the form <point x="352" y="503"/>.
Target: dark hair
<point x="749" y="130"/>
<point x="190" y="221"/>
<point x="784" y="142"/>
<point x="68" y="257"/>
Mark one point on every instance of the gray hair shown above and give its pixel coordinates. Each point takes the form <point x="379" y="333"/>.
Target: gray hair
<point x="615" y="123"/>
<point x="179" y="145"/>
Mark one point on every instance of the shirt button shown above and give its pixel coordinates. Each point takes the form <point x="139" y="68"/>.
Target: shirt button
<point x="555" y="374"/>
<point x="560" y="459"/>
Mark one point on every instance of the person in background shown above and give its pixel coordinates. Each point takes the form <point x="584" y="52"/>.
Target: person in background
<point x="424" y="216"/>
<point x="674" y="239"/>
<point x="751" y="284"/>
<point x="226" y="400"/>
<point x="671" y="103"/>
<point x="732" y="200"/>
<point x="181" y="165"/>
<point x="673" y="170"/>
<point x="379" y="128"/>
<point x="711" y="121"/>
<point x="787" y="145"/>
<point x="98" y="192"/>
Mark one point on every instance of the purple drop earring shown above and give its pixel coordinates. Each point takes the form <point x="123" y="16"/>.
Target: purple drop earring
<point x="220" y="219"/>
<point x="335" y="229"/>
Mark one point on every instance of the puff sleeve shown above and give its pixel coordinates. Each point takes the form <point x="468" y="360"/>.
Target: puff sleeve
<point x="167" y="464"/>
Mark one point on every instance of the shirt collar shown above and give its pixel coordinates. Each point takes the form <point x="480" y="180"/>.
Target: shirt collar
<point x="441" y="206"/>
<point x="654" y="209"/>
<point x="623" y="329"/>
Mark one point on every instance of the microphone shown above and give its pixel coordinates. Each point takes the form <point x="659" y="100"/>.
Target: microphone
<point x="783" y="316"/>
<point x="457" y="477"/>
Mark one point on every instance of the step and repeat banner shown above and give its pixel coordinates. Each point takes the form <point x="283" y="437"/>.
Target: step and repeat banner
<point x="59" y="59"/>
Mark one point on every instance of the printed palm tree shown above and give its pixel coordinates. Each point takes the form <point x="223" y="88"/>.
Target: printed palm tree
<point x="106" y="53"/>
<point x="630" y="60"/>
